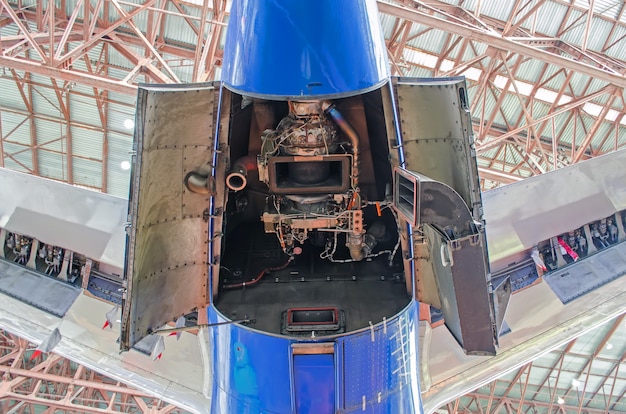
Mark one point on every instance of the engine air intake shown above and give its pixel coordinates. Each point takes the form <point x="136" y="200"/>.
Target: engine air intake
<point x="324" y="174"/>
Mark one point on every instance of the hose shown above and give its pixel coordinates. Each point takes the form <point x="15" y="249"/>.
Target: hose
<point x="259" y="276"/>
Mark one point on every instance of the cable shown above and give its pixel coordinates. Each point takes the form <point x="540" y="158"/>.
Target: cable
<point x="259" y="276"/>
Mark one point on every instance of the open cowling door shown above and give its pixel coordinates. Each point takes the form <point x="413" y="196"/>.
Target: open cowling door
<point x="172" y="184"/>
<point x="437" y="193"/>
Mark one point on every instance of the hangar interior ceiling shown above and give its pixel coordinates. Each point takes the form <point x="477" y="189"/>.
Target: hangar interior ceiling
<point x="545" y="80"/>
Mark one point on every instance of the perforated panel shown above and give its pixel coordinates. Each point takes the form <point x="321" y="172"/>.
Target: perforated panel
<point x="376" y="363"/>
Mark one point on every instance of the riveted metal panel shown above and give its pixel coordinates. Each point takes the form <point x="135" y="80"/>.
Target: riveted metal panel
<point x="167" y="245"/>
<point x="437" y="134"/>
<point x="459" y="268"/>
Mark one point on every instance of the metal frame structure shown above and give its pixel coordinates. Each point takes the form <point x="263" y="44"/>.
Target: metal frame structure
<point x="49" y="383"/>
<point x="585" y="375"/>
<point x="539" y="100"/>
<point x="546" y="87"/>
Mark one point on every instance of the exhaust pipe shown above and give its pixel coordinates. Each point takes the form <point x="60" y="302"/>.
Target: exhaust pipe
<point x="200" y="184"/>
<point x="330" y="110"/>
<point x="237" y="179"/>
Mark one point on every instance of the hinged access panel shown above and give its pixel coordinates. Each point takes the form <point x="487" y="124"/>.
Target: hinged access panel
<point x="166" y="257"/>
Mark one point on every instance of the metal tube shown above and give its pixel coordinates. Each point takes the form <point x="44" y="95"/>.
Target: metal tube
<point x="352" y="135"/>
<point x="237" y="180"/>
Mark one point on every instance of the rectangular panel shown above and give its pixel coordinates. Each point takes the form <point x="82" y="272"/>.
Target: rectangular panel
<point x="43" y="292"/>
<point x="314" y="383"/>
<point x="76" y="237"/>
<point x="575" y="280"/>
<point x="167" y="265"/>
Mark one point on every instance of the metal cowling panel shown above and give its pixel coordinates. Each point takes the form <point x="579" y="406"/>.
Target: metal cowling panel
<point x="437" y="134"/>
<point x="167" y="245"/>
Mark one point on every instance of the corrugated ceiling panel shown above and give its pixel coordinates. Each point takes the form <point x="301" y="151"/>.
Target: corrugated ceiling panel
<point x="128" y="99"/>
<point x="140" y="20"/>
<point x="576" y="27"/>
<point x="579" y="84"/>
<point x="457" y="41"/>
<point x="418" y="72"/>
<point x="480" y="48"/>
<point x="43" y="80"/>
<point x="530" y="70"/>
<point x="511" y="157"/>
<point x="13" y="165"/>
<point x="604" y="130"/>
<point x="82" y="93"/>
<point x="550" y="27"/>
<point x="11" y="97"/>
<point x="610" y="144"/>
<point x="491" y="152"/>
<point x="617" y="43"/>
<point x="498" y="9"/>
<point x="119" y="115"/>
<point x="510" y="107"/>
<point x="387" y="23"/>
<point x="183" y="68"/>
<point x="87" y="172"/>
<point x="539" y="109"/>
<point x="583" y="123"/>
<point x="564" y="126"/>
<point x="432" y="41"/>
<point x="45" y="99"/>
<point x="9" y="30"/>
<point x="49" y="135"/>
<point x="52" y="165"/>
<point x="609" y="8"/>
<point x="15" y="128"/>
<point x="121" y="61"/>
<point x="556" y="82"/>
<point x="561" y="123"/>
<point x="178" y="29"/>
<point x="86" y="143"/>
<point x="84" y="110"/>
<point x="118" y="180"/>
<point x="599" y="32"/>
<point x="95" y="55"/>
<point x="17" y="155"/>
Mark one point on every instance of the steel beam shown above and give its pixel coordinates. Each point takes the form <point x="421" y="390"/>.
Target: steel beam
<point x="498" y="41"/>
